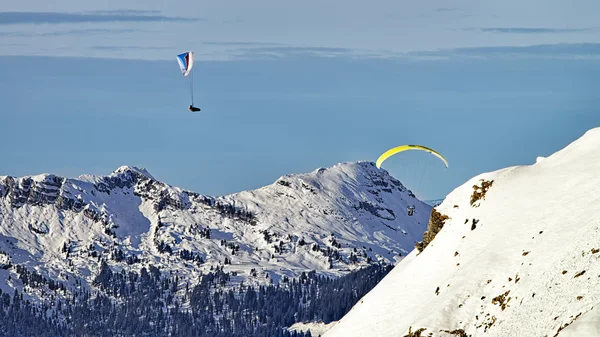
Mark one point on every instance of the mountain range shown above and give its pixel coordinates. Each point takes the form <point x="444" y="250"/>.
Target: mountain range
<point x="330" y="221"/>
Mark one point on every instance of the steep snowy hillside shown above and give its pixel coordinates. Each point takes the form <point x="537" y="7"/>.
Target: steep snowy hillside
<point x="333" y="220"/>
<point x="520" y="257"/>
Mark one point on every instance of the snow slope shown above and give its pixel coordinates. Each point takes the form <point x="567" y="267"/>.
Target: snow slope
<point x="523" y="261"/>
<point x="332" y="220"/>
<point x="316" y="329"/>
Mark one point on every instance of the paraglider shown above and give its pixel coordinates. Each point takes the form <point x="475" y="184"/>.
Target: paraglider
<point x="186" y="63"/>
<point x="418" y="166"/>
<point x="401" y="148"/>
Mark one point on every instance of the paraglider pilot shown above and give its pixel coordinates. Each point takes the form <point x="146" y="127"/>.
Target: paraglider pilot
<point x="411" y="210"/>
<point x="193" y="108"/>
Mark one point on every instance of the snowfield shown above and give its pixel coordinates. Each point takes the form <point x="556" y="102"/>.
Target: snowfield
<point x="315" y="328"/>
<point x="524" y="260"/>
<point x="333" y="220"/>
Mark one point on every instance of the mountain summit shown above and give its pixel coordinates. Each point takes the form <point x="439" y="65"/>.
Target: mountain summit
<point x="517" y="253"/>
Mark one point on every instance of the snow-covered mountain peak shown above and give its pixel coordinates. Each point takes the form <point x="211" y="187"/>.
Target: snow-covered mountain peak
<point x="579" y="154"/>
<point x="512" y="252"/>
<point x="352" y="169"/>
<point x="133" y="170"/>
<point x="343" y="176"/>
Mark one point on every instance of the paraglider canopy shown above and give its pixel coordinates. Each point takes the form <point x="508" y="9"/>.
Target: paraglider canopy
<point x="401" y="148"/>
<point x="414" y="172"/>
<point x="186" y="63"/>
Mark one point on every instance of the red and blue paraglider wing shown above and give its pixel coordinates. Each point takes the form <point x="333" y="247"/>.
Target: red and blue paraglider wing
<point x="186" y="62"/>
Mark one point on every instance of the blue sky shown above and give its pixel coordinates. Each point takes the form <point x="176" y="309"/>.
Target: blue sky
<point x="288" y="88"/>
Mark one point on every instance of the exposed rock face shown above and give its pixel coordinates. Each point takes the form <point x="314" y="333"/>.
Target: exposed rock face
<point x="29" y="191"/>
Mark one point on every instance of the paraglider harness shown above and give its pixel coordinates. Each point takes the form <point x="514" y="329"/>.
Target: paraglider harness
<point x="411" y="210"/>
<point x="193" y="108"/>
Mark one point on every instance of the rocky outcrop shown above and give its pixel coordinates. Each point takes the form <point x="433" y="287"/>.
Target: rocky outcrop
<point x="44" y="190"/>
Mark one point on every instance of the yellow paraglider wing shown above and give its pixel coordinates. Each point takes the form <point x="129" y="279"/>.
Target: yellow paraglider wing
<point x="402" y="148"/>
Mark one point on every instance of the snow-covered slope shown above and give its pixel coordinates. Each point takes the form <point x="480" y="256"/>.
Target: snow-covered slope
<point x="332" y="220"/>
<point x="524" y="260"/>
<point x="316" y="329"/>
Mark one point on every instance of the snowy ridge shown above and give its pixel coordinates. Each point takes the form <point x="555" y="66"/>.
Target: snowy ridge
<point x="316" y="329"/>
<point x="434" y="202"/>
<point x="332" y="220"/>
<point x="523" y="260"/>
<point x="133" y="170"/>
